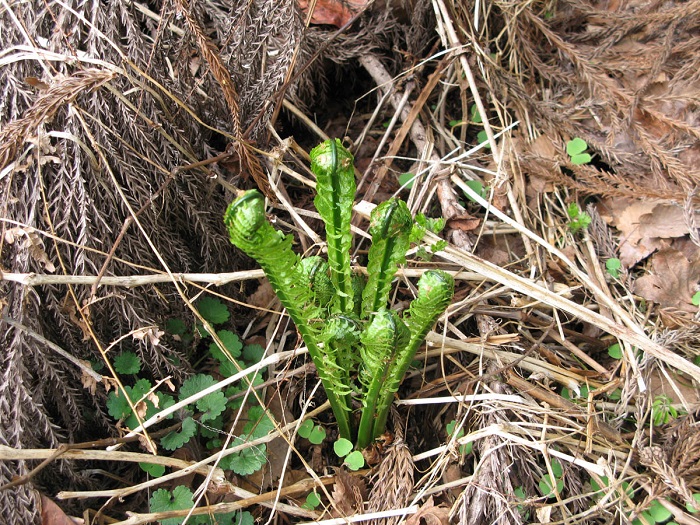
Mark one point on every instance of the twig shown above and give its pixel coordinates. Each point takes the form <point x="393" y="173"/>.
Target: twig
<point x="217" y="279"/>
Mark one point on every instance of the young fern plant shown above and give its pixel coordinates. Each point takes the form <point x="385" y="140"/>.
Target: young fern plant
<point x="360" y="347"/>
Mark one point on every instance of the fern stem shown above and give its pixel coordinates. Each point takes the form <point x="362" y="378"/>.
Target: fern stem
<point x="390" y="226"/>
<point x="435" y="291"/>
<point x="382" y="340"/>
<point x="250" y="231"/>
<point x="335" y="176"/>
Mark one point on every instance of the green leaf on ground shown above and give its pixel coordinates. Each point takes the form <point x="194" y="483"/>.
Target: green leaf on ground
<point x="312" y="501"/>
<point x="231" y="342"/>
<point x="483" y="138"/>
<point x="118" y="405"/>
<point x="694" y="506"/>
<point x="259" y="424"/>
<point x="475" y="116"/>
<point x="615" y="351"/>
<point x="163" y="500"/>
<point x="212" y="404"/>
<point x="355" y="460"/>
<point x="175" y="326"/>
<point x="696" y="299"/>
<point x="127" y="363"/>
<point x="406" y="180"/>
<point x="557" y="469"/>
<point x="247" y="461"/>
<point x="153" y="469"/>
<point x="174" y="440"/>
<point x="342" y="447"/>
<point x="213" y="310"/>
<point x="253" y="353"/>
<point x="613" y="266"/>
<point x="658" y="512"/>
<point x="576" y="146"/>
<point x="580" y="159"/>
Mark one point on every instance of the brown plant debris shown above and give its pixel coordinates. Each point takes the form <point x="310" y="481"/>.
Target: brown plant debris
<point x="430" y="514"/>
<point x="393" y="482"/>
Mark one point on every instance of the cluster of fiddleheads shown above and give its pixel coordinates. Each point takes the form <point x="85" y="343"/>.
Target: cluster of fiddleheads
<point x="359" y="346"/>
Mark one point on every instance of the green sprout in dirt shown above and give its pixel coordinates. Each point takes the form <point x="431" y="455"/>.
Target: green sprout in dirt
<point x="344" y="319"/>
<point x="578" y="219"/>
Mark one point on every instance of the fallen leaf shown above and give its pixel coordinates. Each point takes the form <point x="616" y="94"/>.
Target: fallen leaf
<point x="263" y="296"/>
<point x="463" y="222"/>
<point x="430" y="514"/>
<point x="333" y="12"/>
<point x="672" y="280"/>
<point x="645" y="226"/>
<point x="51" y="514"/>
<point x="88" y="381"/>
<point x="152" y="333"/>
<point x="544" y="514"/>
<point x="349" y="494"/>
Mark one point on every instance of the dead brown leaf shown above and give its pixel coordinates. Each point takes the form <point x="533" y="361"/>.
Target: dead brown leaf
<point x="263" y="296"/>
<point x="89" y="383"/>
<point x="349" y="494"/>
<point x="430" y="514"/>
<point x="672" y="281"/>
<point x="645" y="226"/>
<point x="51" y="514"/>
<point x="333" y="12"/>
<point x="464" y="222"/>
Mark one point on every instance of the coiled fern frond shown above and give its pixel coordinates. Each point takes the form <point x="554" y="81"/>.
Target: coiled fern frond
<point x="250" y="231"/>
<point x="390" y="227"/>
<point x="435" y="292"/>
<point x="335" y="185"/>
<point x="344" y="320"/>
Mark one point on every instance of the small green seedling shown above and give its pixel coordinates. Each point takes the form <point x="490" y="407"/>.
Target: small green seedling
<point x="615" y="351"/>
<point x="662" y="410"/>
<point x="696" y="298"/>
<point x="312" y="501"/>
<point x="316" y="434"/>
<point x="578" y="219"/>
<point x="475" y="116"/>
<point x="613" y="267"/>
<point x="456" y="123"/>
<point x="694" y="506"/>
<point x="547" y="485"/>
<point x="406" y="180"/>
<point x="463" y="449"/>
<point x="127" y="363"/>
<point x="354" y="460"/>
<point x="519" y="493"/>
<point x="576" y="149"/>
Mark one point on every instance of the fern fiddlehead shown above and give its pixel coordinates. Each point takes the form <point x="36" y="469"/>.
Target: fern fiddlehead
<point x="250" y="231"/>
<point x="335" y="186"/>
<point x="316" y="270"/>
<point x="382" y="340"/>
<point x="435" y="292"/>
<point x="344" y="320"/>
<point x="390" y="226"/>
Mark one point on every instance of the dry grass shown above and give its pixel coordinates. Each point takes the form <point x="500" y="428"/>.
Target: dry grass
<point x="100" y="142"/>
